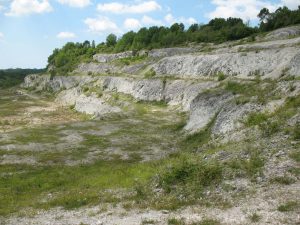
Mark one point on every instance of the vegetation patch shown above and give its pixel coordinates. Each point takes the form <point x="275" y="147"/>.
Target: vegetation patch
<point x="283" y="180"/>
<point x="289" y="206"/>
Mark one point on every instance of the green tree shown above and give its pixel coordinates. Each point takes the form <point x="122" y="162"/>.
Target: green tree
<point x="111" y="40"/>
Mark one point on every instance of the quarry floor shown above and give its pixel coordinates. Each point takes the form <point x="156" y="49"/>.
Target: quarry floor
<point x="61" y="167"/>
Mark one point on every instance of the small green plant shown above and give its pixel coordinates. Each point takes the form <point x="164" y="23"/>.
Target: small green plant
<point x="254" y="218"/>
<point x="288" y="206"/>
<point x="150" y="74"/>
<point x="86" y="89"/>
<point x="72" y="107"/>
<point x="221" y="76"/>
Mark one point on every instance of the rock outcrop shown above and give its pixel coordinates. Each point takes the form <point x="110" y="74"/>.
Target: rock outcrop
<point x="268" y="63"/>
<point x="283" y="33"/>
<point x="104" y="58"/>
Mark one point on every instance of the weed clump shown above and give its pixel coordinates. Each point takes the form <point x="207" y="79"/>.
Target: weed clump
<point x="150" y="74"/>
<point x="221" y="76"/>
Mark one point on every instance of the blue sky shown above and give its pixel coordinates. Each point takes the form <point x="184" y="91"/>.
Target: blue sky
<point x="31" y="29"/>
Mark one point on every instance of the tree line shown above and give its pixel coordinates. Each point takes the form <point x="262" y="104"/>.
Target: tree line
<point x="218" y="30"/>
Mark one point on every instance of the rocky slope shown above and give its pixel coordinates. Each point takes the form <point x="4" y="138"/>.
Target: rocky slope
<point x="187" y="78"/>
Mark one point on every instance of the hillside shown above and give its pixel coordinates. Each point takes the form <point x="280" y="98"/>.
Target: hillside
<point x="205" y="134"/>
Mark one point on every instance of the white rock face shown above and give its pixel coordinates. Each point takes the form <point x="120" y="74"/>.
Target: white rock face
<point x="231" y="116"/>
<point x="104" y="58"/>
<point x="43" y="82"/>
<point x="283" y="33"/>
<point x="36" y="81"/>
<point x="204" y="108"/>
<point x="167" y="52"/>
<point x="270" y="63"/>
<point x="101" y="68"/>
<point x="68" y="97"/>
<point x="180" y="92"/>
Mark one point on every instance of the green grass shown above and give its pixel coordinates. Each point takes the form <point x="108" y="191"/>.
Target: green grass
<point x="148" y="221"/>
<point x="94" y="141"/>
<point x="38" y="135"/>
<point x="289" y="206"/>
<point x="295" y="155"/>
<point x="256" y="119"/>
<point x="283" y="180"/>
<point x="251" y="167"/>
<point x="183" y="179"/>
<point x="72" y="186"/>
<point x="259" y="91"/>
<point x="174" y="221"/>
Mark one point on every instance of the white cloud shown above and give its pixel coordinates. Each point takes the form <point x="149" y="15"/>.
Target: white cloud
<point x="246" y="9"/>
<point x="101" y="25"/>
<point x="26" y="7"/>
<point x="291" y="4"/>
<point x="1" y="35"/>
<point x="120" y="8"/>
<point x="65" y="35"/>
<point x="75" y="3"/>
<point x="149" y="21"/>
<point x="170" y="19"/>
<point x="132" y="24"/>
